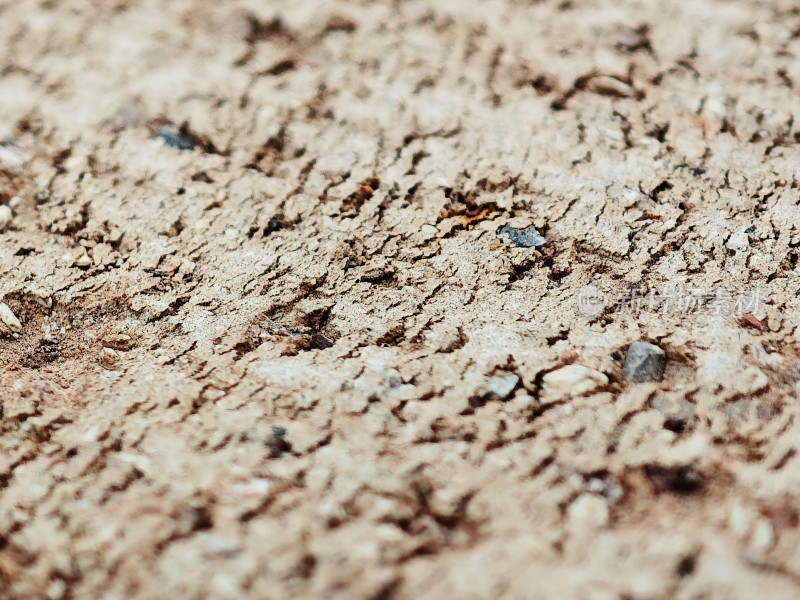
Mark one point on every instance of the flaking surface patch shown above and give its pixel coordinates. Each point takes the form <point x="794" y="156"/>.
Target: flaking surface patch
<point x="273" y="344"/>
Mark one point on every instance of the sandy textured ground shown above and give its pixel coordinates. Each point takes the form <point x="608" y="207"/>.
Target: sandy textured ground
<point x="272" y="342"/>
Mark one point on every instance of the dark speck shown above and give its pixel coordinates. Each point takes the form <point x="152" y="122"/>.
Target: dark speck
<point x="277" y="442"/>
<point x="320" y="342"/>
<point x="273" y="225"/>
<point x="202" y="176"/>
<point x="681" y="480"/>
<point x="686" y="566"/>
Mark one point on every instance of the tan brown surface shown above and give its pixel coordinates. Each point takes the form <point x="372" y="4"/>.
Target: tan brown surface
<point x="326" y="260"/>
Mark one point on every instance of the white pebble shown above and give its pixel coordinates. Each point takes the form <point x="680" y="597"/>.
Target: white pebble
<point x="502" y="385"/>
<point x="108" y="357"/>
<point x="572" y="380"/>
<point x="5" y="217"/>
<point x="84" y="260"/>
<point x="428" y="231"/>
<point x="10" y="158"/>
<point x="763" y="538"/>
<point x="588" y="512"/>
<point x="9" y="319"/>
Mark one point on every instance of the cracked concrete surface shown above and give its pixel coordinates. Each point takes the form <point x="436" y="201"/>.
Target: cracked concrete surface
<point x="274" y="344"/>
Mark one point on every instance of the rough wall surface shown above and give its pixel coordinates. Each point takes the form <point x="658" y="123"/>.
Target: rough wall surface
<point x="274" y="341"/>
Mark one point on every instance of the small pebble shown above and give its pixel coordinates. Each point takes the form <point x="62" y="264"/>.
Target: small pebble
<point x="606" y="85"/>
<point x="572" y="380"/>
<point x="5" y="217"/>
<point x="119" y="342"/>
<point x="41" y="297"/>
<point x="644" y="362"/>
<point x="114" y="236"/>
<point x="740" y="519"/>
<point x="738" y="241"/>
<point x="56" y="589"/>
<point x="176" y="139"/>
<point x="589" y="511"/>
<point x="501" y="386"/>
<point x="632" y="40"/>
<point x="523" y="238"/>
<point x="108" y="358"/>
<point x="763" y="537"/>
<point x="428" y="231"/>
<point x="10" y="158"/>
<point x="83" y="261"/>
<point x="9" y="319"/>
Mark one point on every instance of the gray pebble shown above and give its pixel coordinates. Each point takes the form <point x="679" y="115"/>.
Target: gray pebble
<point x="644" y="362"/>
<point x="182" y="140"/>
<point x="523" y="238"/>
